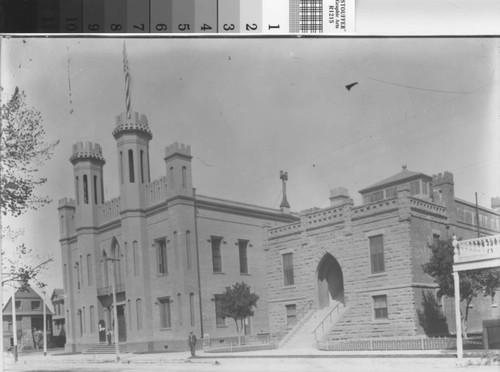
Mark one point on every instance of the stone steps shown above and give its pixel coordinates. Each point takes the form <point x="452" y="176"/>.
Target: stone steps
<point x="105" y="349"/>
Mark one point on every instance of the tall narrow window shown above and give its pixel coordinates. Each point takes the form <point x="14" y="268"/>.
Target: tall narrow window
<point x="102" y="191"/>
<point x="171" y="176"/>
<point x="65" y="275"/>
<point x="95" y="189"/>
<point x="179" y="307"/>
<point x="131" y="166"/>
<point x="135" y="249"/>
<point x="161" y="249"/>
<point x="165" y="319"/>
<point x="92" y="319"/>
<point x="377" y="253"/>
<point x="129" y="311"/>
<point x="380" y="307"/>
<point x="219" y="320"/>
<point x="184" y="177"/>
<point x="80" y="320"/>
<point x="288" y="268"/>
<point x="84" y="320"/>
<point x="415" y="187"/>
<point x="105" y="269"/>
<point x="188" y="249"/>
<point x="89" y="269"/>
<point x="77" y="269"/>
<point x="191" y="308"/>
<point x="291" y="314"/>
<point x="85" y="189"/>
<point x="216" y="254"/>
<point x="138" y="310"/>
<point x="242" y="244"/>
<point x="142" y="165"/>
<point x="435" y="240"/>
<point x="176" y="249"/>
<point x="77" y="190"/>
<point x="126" y="253"/>
<point x="121" y="167"/>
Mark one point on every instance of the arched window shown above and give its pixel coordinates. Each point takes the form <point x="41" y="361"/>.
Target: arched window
<point x="138" y="305"/>
<point x="105" y="269"/>
<point x="95" y="189"/>
<point x="176" y="250"/>
<point x="129" y="310"/>
<point x="184" y="177"/>
<point x="85" y="189"/>
<point x="77" y="190"/>
<point x="142" y="165"/>
<point x="121" y="167"/>
<point x="83" y="320"/>
<point x="125" y="253"/>
<point x="191" y="308"/>
<point x="135" y="252"/>
<point x="92" y="320"/>
<point x="188" y="249"/>
<point x="171" y="176"/>
<point x="179" y="307"/>
<point x="61" y="227"/>
<point x="131" y="166"/>
<point x="89" y="269"/>
<point x="102" y="191"/>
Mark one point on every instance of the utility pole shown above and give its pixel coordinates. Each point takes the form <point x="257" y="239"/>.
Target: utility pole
<point x="14" y="322"/>
<point x="477" y="218"/>
<point x="44" y="326"/>
<point x="115" y="312"/>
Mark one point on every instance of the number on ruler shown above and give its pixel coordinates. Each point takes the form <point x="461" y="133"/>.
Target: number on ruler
<point x="206" y="27"/>
<point x="140" y="27"/>
<point x="116" y="27"/>
<point x="251" y="27"/>
<point x="270" y="27"/>
<point x="71" y="26"/>
<point x="228" y="27"/>
<point x="183" y="27"/>
<point x="93" y="27"/>
<point x="161" y="27"/>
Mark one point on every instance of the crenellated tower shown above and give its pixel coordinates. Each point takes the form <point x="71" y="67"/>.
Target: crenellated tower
<point x="88" y="164"/>
<point x="132" y="137"/>
<point x="178" y="163"/>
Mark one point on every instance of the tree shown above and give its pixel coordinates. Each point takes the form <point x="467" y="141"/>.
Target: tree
<point x="472" y="282"/>
<point x="23" y="150"/>
<point x="237" y="302"/>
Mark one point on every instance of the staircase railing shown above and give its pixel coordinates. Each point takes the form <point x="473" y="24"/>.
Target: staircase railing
<point x="329" y="317"/>
<point x="307" y="306"/>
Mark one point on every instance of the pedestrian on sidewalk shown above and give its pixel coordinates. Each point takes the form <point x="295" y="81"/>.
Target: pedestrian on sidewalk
<point x="192" y="344"/>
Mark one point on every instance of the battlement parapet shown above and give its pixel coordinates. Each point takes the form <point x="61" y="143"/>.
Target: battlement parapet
<point x="109" y="211"/>
<point x="495" y="202"/>
<point x="179" y="149"/>
<point x="427" y="207"/>
<point x="339" y="192"/>
<point x="156" y="192"/>
<point x="87" y="151"/>
<point x="136" y="123"/>
<point x="442" y="178"/>
<point x="367" y="210"/>
<point x="66" y="202"/>
<point x="292" y="228"/>
<point x="325" y="216"/>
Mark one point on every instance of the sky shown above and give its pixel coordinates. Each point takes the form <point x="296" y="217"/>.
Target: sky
<point x="252" y="107"/>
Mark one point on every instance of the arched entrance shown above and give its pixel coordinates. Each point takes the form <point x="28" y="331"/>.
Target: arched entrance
<point x="330" y="281"/>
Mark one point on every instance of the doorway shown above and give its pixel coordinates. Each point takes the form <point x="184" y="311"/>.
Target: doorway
<point x="330" y="281"/>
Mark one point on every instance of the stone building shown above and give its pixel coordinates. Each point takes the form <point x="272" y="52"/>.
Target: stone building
<point x="29" y="319"/>
<point x="169" y="251"/>
<point x="363" y="264"/>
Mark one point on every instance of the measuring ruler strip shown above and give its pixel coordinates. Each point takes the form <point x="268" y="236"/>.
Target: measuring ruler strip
<point x="178" y="16"/>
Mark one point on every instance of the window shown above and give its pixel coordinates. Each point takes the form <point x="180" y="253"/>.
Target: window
<point x="95" y="189"/>
<point x="288" y="268"/>
<point x="165" y="321"/>
<point x="142" y="165"/>
<point x="18" y="305"/>
<point x="435" y="240"/>
<point x="138" y="311"/>
<point x="414" y="187"/>
<point x="191" y="308"/>
<point x="131" y="166"/>
<point x="243" y="256"/>
<point x="377" y="254"/>
<point x="179" y="307"/>
<point x="374" y="196"/>
<point x="291" y="314"/>
<point x="176" y="250"/>
<point x="184" y="177"/>
<point x="171" y="176"/>
<point x="390" y="192"/>
<point x="161" y="249"/>
<point x="77" y="268"/>
<point x="92" y="319"/>
<point x="135" y="252"/>
<point x="219" y="320"/>
<point x="216" y="254"/>
<point x="83" y="320"/>
<point x="125" y="253"/>
<point x="77" y="190"/>
<point x="36" y="305"/>
<point x="89" y="269"/>
<point x="129" y="311"/>
<point x="102" y="191"/>
<point x="188" y="249"/>
<point x="380" y="307"/>
<point x="105" y="269"/>
<point x="121" y="167"/>
<point x="85" y="190"/>
<point x="80" y="320"/>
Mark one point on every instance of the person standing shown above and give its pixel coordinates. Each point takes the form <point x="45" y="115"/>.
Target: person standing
<point x="192" y="343"/>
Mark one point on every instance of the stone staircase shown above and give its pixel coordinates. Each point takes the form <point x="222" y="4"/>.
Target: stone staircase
<point x="105" y="349"/>
<point x="302" y="336"/>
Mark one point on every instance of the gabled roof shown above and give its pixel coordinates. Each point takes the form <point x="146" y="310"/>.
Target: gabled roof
<point x="398" y="178"/>
<point x="58" y="293"/>
<point x="26" y="294"/>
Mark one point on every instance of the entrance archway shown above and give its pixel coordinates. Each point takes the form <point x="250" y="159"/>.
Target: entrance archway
<point x="330" y="281"/>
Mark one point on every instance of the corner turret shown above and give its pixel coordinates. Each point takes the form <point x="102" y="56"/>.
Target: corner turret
<point x="179" y="175"/>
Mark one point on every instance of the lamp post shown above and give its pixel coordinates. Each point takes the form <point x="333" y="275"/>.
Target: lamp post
<point x="115" y="312"/>
<point x="14" y="322"/>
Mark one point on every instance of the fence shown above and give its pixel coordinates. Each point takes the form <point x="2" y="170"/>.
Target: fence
<point x="395" y="343"/>
<point x="260" y="341"/>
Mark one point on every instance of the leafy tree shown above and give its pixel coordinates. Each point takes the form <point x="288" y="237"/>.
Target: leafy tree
<point x="472" y="282"/>
<point x="237" y="302"/>
<point x="23" y="150"/>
